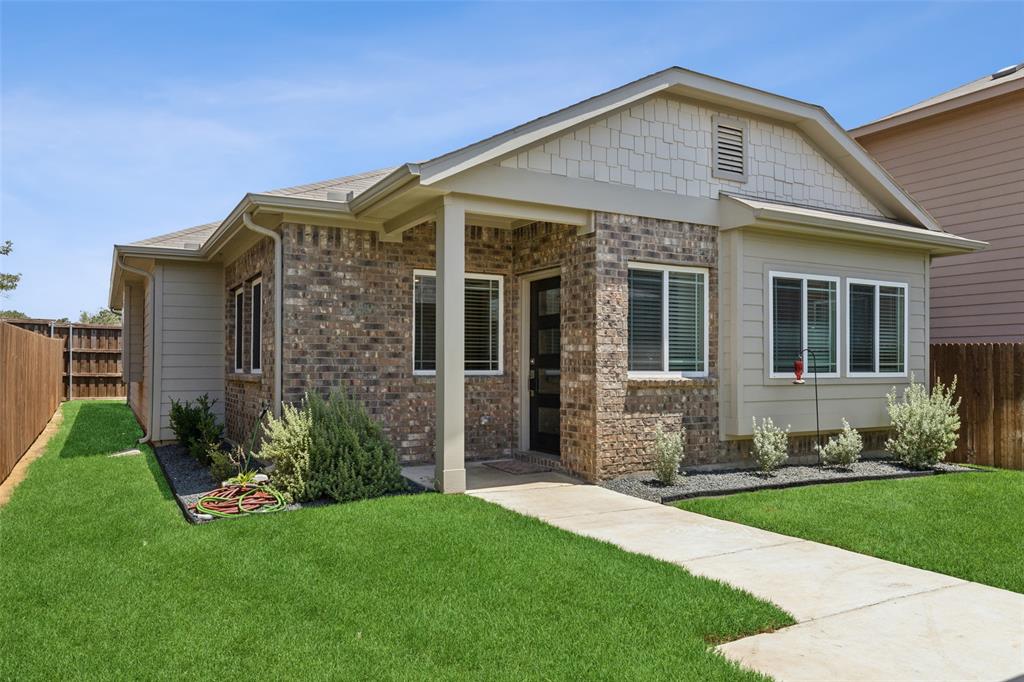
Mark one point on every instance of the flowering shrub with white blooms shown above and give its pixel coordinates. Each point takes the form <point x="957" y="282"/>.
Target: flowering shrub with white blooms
<point x="925" y="426"/>
<point x="770" y="445"/>
<point x="844" y="449"/>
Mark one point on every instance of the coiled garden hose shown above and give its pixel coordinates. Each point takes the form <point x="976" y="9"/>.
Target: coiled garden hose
<point x="233" y="500"/>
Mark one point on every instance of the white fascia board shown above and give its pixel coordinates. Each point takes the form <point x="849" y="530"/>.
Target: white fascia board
<point x="738" y="212"/>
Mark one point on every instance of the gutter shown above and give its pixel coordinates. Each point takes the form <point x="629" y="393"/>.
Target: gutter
<point x="278" y="303"/>
<point x="148" y="435"/>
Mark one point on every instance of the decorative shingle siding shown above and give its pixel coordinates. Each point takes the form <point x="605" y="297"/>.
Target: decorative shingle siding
<point x="665" y="144"/>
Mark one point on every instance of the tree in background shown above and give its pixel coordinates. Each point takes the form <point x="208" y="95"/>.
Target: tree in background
<point x="12" y="315"/>
<point x="101" y="316"/>
<point x="8" y="281"/>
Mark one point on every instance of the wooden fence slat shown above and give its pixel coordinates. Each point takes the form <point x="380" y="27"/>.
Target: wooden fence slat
<point x="990" y="384"/>
<point x="31" y="366"/>
<point x="95" y="357"/>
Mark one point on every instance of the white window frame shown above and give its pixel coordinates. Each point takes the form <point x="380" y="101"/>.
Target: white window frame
<point x="665" y="269"/>
<point x="906" y="329"/>
<point x="238" y="361"/>
<point x="803" y="277"/>
<point x="255" y="352"/>
<point x="500" y="279"/>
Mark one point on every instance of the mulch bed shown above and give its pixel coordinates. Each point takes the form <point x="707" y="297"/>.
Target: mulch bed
<point x="706" y="484"/>
<point x="189" y="481"/>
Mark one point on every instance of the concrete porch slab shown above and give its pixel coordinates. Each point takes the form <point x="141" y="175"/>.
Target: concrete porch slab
<point x="961" y="632"/>
<point x="480" y="477"/>
<point x="811" y="580"/>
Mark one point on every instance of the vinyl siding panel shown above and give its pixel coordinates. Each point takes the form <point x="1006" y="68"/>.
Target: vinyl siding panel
<point x="966" y="167"/>
<point x="191" y="339"/>
<point x="860" y="400"/>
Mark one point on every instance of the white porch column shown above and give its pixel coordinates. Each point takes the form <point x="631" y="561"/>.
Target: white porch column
<point x="449" y="455"/>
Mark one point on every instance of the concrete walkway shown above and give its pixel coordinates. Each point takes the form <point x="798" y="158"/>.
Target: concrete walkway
<point x="859" y="618"/>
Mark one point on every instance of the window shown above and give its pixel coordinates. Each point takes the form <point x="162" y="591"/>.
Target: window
<point x="729" y="148"/>
<point x="668" y="320"/>
<point x="877" y="329"/>
<point x="483" y="323"/>
<point x="239" y="317"/>
<point x="804" y="314"/>
<point x="257" y="326"/>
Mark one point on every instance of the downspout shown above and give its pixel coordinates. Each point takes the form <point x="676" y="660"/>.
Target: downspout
<point x="152" y="340"/>
<point x="278" y="303"/>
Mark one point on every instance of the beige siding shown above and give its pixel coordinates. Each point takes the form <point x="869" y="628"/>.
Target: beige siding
<point x="966" y="168"/>
<point x="753" y="392"/>
<point x="134" y="329"/>
<point x="190" y="338"/>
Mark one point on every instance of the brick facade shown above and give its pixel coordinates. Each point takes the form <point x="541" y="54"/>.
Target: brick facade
<point x="246" y="393"/>
<point x="348" y="307"/>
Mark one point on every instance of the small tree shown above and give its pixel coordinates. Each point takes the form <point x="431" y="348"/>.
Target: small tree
<point x="668" y="453"/>
<point x="925" y="426"/>
<point x="844" y="449"/>
<point x="771" y="445"/>
<point x="8" y="281"/>
<point x="101" y="316"/>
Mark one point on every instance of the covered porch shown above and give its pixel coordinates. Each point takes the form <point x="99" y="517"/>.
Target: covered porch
<point x="533" y="295"/>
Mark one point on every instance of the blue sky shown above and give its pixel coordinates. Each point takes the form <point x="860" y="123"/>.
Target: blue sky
<point x="121" y="121"/>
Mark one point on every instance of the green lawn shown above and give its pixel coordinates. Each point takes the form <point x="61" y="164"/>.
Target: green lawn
<point x="101" y="577"/>
<point x="964" y="525"/>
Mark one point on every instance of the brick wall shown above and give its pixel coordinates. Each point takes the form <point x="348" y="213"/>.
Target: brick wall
<point x="629" y="410"/>
<point x="247" y="393"/>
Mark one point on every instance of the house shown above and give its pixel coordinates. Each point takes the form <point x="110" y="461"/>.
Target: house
<point x="658" y="254"/>
<point x="961" y="156"/>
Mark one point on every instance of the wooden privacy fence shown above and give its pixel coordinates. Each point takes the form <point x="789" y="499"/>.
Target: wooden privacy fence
<point x="31" y="367"/>
<point x="990" y="383"/>
<point x="92" y="356"/>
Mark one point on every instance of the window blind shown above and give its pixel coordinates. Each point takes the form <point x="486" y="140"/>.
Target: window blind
<point x="685" y="322"/>
<point x="862" y="328"/>
<point x="787" y="322"/>
<point x="891" y="335"/>
<point x="822" y="318"/>
<point x="482" y="324"/>
<point x="257" y="326"/>
<point x="645" y="320"/>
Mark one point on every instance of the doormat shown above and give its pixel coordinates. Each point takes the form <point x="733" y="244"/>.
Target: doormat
<point x="517" y="466"/>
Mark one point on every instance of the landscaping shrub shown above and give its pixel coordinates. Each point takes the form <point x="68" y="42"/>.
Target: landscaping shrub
<point x="844" y="449"/>
<point x="286" y="443"/>
<point x="330" y="448"/>
<point x="770" y="445"/>
<point x="668" y="453"/>
<point x="196" y="426"/>
<point x="925" y="426"/>
<point x="221" y="466"/>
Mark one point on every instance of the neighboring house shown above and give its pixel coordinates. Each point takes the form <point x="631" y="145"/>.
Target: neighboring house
<point x="658" y="254"/>
<point x="961" y="156"/>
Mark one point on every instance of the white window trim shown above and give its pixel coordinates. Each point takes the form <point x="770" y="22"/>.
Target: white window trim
<point x="659" y="267"/>
<point x="238" y="361"/>
<point x="500" y="279"/>
<point x="906" y="329"/>
<point x="803" y="277"/>
<point x="255" y="352"/>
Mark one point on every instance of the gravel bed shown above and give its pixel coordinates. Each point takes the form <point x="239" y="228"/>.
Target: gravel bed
<point x="189" y="481"/>
<point x="705" y="484"/>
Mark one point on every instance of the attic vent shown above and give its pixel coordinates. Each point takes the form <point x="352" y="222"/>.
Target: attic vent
<point x="1007" y="70"/>
<point x="730" y="149"/>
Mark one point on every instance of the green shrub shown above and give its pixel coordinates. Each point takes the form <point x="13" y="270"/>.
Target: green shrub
<point x="287" y="443"/>
<point x="925" y="426"/>
<point x="771" y="445"/>
<point x="330" y="448"/>
<point x="221" y="466"/>
<point x="196" y="426"/>
<point x="844" y="449"/>
<point x="668" y="453"/>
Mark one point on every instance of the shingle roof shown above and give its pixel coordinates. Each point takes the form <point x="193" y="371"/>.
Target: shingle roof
<point x="194" y="237"/>
<point x="983" y="83"/>
<point x="189" y="238"/>
<point x="356" y="184"/>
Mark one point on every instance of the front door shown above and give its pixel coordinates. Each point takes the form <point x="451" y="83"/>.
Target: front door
<point x="545" y="364"/>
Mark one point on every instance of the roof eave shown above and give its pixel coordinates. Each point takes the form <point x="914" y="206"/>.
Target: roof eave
<point x="967" y="99"/>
